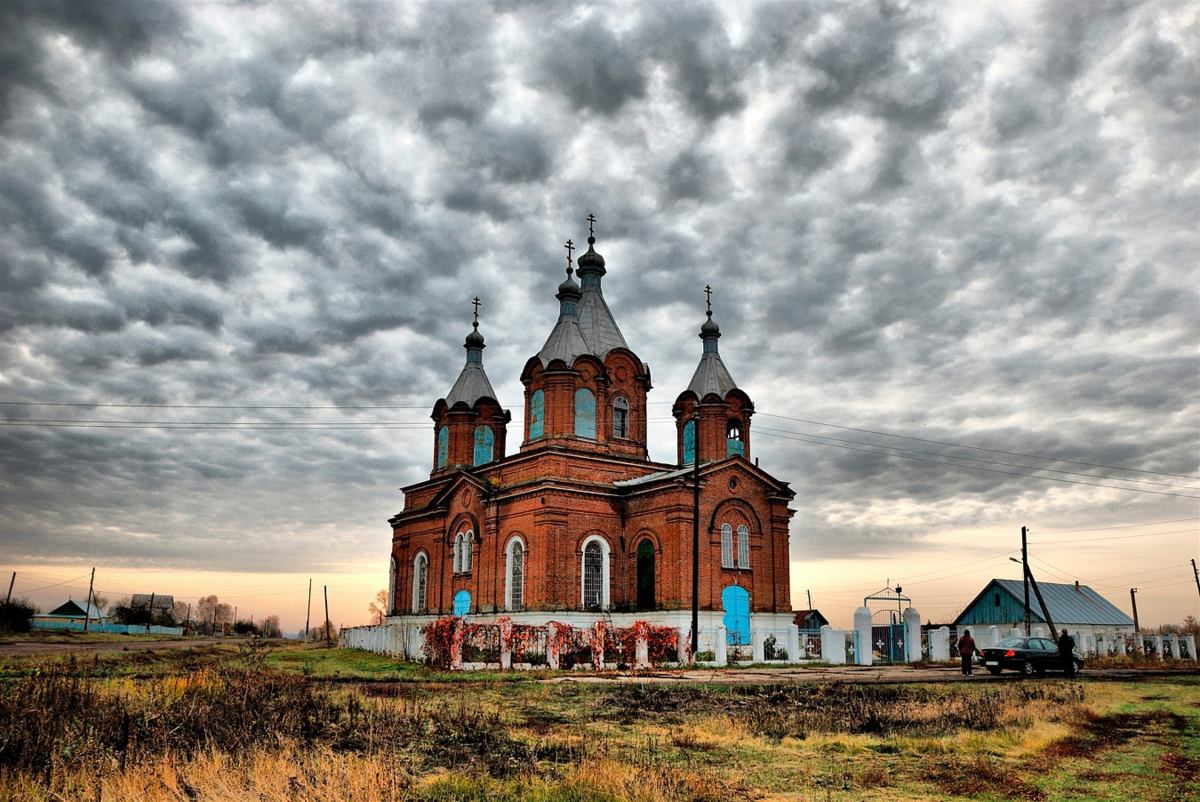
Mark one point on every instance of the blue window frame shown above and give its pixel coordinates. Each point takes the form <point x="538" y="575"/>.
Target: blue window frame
<point x="537" y="415"/>
<point x="443" y="446"/>
<point x="689" y="442"/>
<point x="585" y="413"/>
<point x="485" y="442"/>
<point x="736" y="603"/>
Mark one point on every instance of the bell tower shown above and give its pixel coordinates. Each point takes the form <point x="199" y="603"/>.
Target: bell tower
<point x="712" y="416"/>
<point x="470" y="427"/>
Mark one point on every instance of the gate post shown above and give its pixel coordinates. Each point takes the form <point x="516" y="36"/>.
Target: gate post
<point x="793" y="644"/>
<point x="756" y="640"/>
<point x="721" y="652"/>
<point x="912" y="634"/>
<point x="862" y="626"/>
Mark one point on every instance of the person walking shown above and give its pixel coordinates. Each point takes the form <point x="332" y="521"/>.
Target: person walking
<point x="1066" y="653"/>
<point x="966" y="649"/>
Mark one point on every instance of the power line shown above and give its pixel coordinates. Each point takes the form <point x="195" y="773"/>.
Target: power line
<point x="1122" y="526"/>
<point x="974" y="459"/>
<point x="803" y="439"/>
<point x="977" y="448"/>
<point x="1117" y="537"/>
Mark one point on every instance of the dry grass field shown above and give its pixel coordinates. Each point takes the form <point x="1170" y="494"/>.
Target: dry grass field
<point x="294" y="723"/>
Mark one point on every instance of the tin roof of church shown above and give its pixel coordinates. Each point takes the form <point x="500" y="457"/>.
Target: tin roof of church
<point x="566" y="342"/>
<point x="711" y="376"/>
<point x="597" y="324"/>
<point x="472" y="385"/>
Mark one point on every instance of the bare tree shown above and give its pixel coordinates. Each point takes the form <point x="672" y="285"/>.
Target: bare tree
<point x="379" y="607"/>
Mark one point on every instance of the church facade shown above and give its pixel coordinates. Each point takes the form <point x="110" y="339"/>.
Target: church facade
<point x="579" y="523"/>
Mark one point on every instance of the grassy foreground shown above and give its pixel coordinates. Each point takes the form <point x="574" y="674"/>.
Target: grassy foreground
<point x="290" y="723"/>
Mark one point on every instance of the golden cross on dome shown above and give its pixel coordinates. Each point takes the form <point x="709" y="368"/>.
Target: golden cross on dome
<point x="708" y="297"/>
<point x="475" y="303"/>
<point x="570" y="246"/>
<point x="591" y="218"/>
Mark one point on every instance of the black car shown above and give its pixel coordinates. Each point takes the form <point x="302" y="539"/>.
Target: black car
<point x="1028" y="655"/>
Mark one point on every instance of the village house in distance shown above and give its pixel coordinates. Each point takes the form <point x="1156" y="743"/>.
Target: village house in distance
<point x="581" y="524"/>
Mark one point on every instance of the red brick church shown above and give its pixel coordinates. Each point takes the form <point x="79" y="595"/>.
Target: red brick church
<point x="580" y="523"/>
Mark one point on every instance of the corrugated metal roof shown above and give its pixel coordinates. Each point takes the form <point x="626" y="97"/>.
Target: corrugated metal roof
<point x="1067" y="604"/>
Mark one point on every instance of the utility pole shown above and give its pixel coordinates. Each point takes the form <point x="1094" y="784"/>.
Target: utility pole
<point x="151" y="620"/>
<point x="87" y="613"/>
<point x="809" y="592"/>
<point x="328" y="641"/>
<point x="1025" y="572"/>
<point x="308" y="613"/>
<point x="1042" y="602"/>
<point x="1137" y="629"/>
<point x="188" y="621"/>
<point x="695" y="540"/>
<point x="235" y="619"/>
<point x="1196" y="574"/>
<point x="7" y="599"/>
<point x="214" y="626"/>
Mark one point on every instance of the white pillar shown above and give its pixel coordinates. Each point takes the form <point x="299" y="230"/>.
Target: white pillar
<point x="1174" y="647"/>
<point x="793" y="644"/>
<point x="833" y="645"/>
<point x="1157" y="641"/>
<point x="641" y="649"/>
<point x="912" y="634"/>
<point x="862" y="625"/>
<point x="681" y="646"/>
<point x="552" y="655"/>
<point x="505" y="643"/>
<point x="993" y="636"/>
<point x="1038" y="632"/>
<point x="756" y="645"/>
<point x="456" y="657"/>
<point x="721" y="652"/>
<point x="1191" y="646"/>
<point x="939" y="645"/>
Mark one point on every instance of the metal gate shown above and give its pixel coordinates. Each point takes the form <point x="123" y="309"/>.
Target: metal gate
<point x="887" y="642"/>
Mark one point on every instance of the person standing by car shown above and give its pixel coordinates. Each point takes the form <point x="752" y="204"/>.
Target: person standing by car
<point x="1066" y="653"/>
<point x="966" y="649"/>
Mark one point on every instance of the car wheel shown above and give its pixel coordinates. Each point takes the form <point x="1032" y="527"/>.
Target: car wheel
<point x="994" y="670"/>
<point x="1027" y="668"/>
<point x="1078" y="666"/>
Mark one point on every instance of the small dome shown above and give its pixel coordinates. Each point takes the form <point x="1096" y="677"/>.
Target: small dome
<point x="710" y="328"/>
<point x="474" y="339"/>
<point x="568" y="288"/>
<point x="591" y="258"/>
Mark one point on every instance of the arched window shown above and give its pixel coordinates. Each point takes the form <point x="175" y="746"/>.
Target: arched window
<point x="537" y="415"/>
<point x="585" y="413"/>
<point x="734" y="444"/>
<point x="620" y="417"/>
<point x="727" y="546"/>
<point x="743" y="551"/>
<point x="689" y="442"/>
<point x="462" y="551"/>
<point x="443" y="446"/>
<point x="420" y="579"/>
<point x="594" y="579"/>
<point x="484" y="443"/>
<point x="515" y="581"/>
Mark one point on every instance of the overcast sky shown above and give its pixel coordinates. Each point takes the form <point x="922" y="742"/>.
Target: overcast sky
<point x="970" y="223"/>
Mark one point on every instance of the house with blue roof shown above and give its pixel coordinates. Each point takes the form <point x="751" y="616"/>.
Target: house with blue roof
<point x="1076" y="607"/>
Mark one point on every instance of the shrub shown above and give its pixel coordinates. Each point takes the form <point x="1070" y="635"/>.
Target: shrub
<point x="15" y="615"/>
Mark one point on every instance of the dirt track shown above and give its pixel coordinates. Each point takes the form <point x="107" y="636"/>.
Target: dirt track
<point x="858" y="674"/>
<point x="31" y="649"/>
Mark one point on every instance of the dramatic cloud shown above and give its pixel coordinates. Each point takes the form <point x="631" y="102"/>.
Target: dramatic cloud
<point x="969" y="224"/>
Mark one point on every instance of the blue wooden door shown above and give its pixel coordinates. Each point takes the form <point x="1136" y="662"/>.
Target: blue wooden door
<point x="462" y="603"/>
<point x="736" y="603"/>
